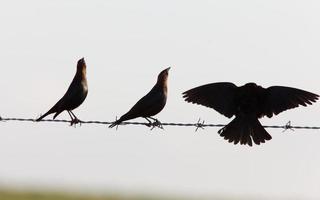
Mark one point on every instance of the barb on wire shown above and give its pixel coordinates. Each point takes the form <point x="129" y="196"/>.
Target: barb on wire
<point x="199" y="124"/>
<point x="288" y="127"/>
<point x="117" y="124"/>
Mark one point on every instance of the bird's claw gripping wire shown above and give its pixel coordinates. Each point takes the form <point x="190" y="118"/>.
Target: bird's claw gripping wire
<point x="199" y="124"/>
<point x="157" y="123"/>
<point x="75" y="121"/>
<point x="154" y="124"/>
<point x="288" y="126"/>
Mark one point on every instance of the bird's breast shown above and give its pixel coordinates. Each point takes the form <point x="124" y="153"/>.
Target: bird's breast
<point x="84" y="85"/>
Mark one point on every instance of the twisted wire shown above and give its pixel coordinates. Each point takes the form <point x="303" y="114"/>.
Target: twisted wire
<point x="200" y="124"/>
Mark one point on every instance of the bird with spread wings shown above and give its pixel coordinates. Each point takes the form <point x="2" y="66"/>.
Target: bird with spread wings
<point x="248" y="103"/>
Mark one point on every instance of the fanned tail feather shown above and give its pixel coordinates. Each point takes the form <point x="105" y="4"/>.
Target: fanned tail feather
<point x="243" y="130"/>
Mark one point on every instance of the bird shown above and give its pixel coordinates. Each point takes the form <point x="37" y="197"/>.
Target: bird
<point x="74" y="97"/>
<point x="151" y="104"/>
<point x="247" y="103"/>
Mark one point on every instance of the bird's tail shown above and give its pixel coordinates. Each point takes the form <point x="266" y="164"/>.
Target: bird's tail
<point x="244" y="130"/>
<point x="43" y="116"/>
<point x="116" y="123"/>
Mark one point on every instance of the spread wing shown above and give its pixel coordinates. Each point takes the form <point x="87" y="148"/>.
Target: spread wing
<point x="219" y="96"/>
<point x="279" y="98"/>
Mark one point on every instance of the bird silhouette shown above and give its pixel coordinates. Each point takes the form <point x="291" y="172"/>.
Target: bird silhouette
<point x="247" y="103"/>
<point x="149" y="105"/>
<point x="74" y="97"/>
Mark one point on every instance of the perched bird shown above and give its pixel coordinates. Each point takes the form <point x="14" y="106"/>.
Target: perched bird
<point x="151" y="104"/>
<point x="75" y="95"/>
<point x="248" y="103"/>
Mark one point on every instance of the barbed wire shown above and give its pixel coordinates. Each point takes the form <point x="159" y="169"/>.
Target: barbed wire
<point x="200" y="124"/>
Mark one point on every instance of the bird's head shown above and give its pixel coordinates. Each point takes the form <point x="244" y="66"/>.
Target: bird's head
<point x="163" y="76"/>
<point x="81" y="66"/>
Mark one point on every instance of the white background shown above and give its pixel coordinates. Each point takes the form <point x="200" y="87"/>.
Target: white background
<point x="126" y="44"/>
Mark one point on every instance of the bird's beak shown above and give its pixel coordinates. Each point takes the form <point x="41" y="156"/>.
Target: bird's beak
<point x="81" y="60"/>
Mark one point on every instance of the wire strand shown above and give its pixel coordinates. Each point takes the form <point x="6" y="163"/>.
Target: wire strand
<point x="200" y="124"/>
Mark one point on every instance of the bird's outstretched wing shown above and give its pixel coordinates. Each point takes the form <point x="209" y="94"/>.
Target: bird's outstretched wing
<point x="279" y="98"/>
<point x="219" y="96"/>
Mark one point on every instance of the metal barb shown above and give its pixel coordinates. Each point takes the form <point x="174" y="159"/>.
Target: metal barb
<point x="288" y="126"/>
<point x="199" y="125"/>
<point x="117" y="124"/>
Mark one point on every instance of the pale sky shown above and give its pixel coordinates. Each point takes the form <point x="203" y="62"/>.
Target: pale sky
<point x="125" y="45"/>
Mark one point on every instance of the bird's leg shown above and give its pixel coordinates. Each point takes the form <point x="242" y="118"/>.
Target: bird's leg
<point x="156" y="123"/>
<point x="150" y="123"/>
<point x="70" y="117"/>
<point x="74" y="119"/>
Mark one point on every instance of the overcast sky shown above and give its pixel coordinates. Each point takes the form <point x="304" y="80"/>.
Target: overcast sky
<point x="126" y="44"/>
